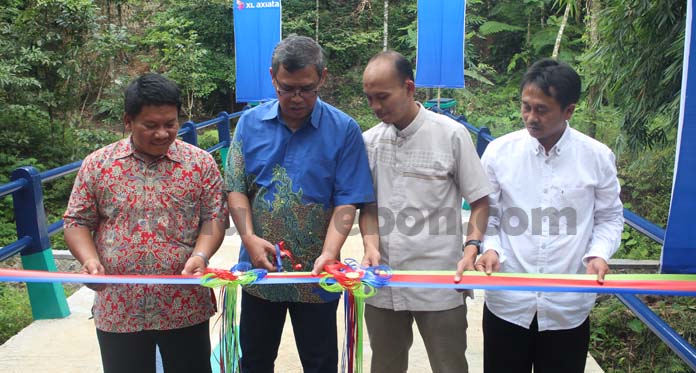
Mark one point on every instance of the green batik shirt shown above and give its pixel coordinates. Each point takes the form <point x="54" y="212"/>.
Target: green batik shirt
<point x="293" y="181"/>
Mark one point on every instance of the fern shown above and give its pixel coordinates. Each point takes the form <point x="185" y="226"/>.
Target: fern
<point x="473" y="74"/>
<point x="493" y="27"/>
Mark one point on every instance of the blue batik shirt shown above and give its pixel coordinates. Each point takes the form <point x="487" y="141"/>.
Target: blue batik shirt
<point x="293" y="181"/>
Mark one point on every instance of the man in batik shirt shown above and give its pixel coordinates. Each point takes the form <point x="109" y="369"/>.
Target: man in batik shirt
<point x="296" y="170"/>
<point x="149" y="205"/>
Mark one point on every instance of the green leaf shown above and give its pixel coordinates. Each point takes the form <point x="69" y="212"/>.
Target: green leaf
<point x="478" y="77"/>
<point x="493" y="27"/>
<point x="636" y="325"/>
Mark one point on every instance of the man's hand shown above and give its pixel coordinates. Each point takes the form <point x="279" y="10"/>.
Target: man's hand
<point x="371" y="258"/>
<point x="488" y="262"/>
<point x="259" y="250"/>
<point x="195" y="265"/>
<point x="466" y="263"/>
<point x="321" y="261"/>
<point x="598" y="266"/>
<point x="93" y="266"/>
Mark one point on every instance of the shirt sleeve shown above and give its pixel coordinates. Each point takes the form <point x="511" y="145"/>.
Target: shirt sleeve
<point x="491" y="240"/>
<point x="235" y="172"/>
<point x="82" y="206"/>
<point x="468" y="172"/>
<point x="608" y="212"/>
<point x="213" y="204"/>
<point x="353" y="183"/>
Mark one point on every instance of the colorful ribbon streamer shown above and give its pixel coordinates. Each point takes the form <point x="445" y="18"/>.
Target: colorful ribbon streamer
<point x="657" y="284"/>
<point x="228" y="282"/>
<point x="358" y="283"/>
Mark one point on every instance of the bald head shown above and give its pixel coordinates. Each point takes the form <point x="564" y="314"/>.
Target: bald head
<point x="389" y="87"/>
<point x="394" y="61"/>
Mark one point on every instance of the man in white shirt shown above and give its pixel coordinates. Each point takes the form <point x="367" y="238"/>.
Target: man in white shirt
<point x="422" y="165"/>
<point x="555" y="209"/>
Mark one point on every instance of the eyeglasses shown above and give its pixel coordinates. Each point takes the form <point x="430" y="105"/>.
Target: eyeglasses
<point x="302" y="92"/>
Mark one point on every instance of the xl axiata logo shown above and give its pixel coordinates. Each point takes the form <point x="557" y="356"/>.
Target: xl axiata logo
<point x="257" y="4"/>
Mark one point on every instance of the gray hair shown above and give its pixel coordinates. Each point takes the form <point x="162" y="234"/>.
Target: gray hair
<point x="297" y="52"/>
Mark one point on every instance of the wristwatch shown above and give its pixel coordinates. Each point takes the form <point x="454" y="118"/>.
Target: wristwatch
<point x="476" y="243"/>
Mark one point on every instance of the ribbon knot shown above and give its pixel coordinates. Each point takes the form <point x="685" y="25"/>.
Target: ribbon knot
<point x="360" y="281"/>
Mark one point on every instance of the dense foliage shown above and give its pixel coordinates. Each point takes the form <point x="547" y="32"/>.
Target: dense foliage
<point x="64" y="64"/>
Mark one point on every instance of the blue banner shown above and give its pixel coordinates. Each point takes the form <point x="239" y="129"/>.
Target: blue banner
<point x="440" y="55"/>
<point x="679" y="252"/>
<point x="256" y="32"/>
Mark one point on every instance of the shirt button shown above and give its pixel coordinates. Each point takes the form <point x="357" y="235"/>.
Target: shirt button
<point x="546" y="190"/>
<point x="547" y="161"/>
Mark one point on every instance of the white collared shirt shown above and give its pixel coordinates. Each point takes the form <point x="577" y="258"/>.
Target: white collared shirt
<point x="550" y="212"/>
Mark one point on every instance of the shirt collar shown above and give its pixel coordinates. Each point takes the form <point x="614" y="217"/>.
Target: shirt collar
<point x="561" y="145"/>
<point x="125" y="148"/>
<point x="173" y="152"/>
<point x="273" y="113"/>
<point x="415" y="125"/>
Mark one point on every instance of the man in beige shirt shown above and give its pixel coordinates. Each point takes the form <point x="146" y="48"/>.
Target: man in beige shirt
<point x="422" y="165"/>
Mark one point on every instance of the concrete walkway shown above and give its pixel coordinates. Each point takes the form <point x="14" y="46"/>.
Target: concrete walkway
<point x="69" y="345"/>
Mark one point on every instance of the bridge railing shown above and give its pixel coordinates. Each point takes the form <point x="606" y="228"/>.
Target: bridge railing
<point x="48" y="300"/>
<point x="33" y="232"/>
<point x="668" y="335"/>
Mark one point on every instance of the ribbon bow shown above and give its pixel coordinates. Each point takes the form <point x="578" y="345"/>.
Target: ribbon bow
<point x="228" y="282"/>
<point x="359" y="283"/>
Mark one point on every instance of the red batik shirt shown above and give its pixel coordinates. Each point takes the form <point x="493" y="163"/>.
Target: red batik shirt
<point x="145" y="218"/>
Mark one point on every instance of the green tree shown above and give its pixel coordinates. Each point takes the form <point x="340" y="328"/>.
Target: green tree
<point x="637" y="66"/>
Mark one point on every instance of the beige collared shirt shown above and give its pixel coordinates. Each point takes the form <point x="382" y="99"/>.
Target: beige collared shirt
<point x="420" y="175"/>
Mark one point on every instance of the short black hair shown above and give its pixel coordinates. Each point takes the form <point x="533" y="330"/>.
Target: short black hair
<point x="297" y="52"/>
<point x="151" y="89"/>
<point x="402" y="65"/>
<point x="557" y="79"/>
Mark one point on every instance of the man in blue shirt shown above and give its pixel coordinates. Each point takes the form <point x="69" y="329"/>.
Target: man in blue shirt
<point x="296" y="171"/>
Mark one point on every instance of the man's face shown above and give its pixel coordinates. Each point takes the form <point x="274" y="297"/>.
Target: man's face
<point x="388" y="96"/>
<point x="154" y="129"/>
<point x="543" y="116"/>
<point x="297" y="92"/>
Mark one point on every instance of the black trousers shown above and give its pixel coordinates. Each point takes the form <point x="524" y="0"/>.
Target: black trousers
<point x="261" y="327"/>
<point x="510" y="348"/>
<point x="184" y="350"/>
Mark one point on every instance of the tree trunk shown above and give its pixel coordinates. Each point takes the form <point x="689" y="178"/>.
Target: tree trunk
<point x="316" y="23"/>
<point x="108" y="11"/>
<point x="557" y="46"/>
<point x="593" y="8"/>
<point x="120" y="14"/>
<point x="386" y="23"/>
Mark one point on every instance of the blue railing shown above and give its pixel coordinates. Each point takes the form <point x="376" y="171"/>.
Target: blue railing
<point x="33" y="232"/>
<point x="668" y="335"/>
